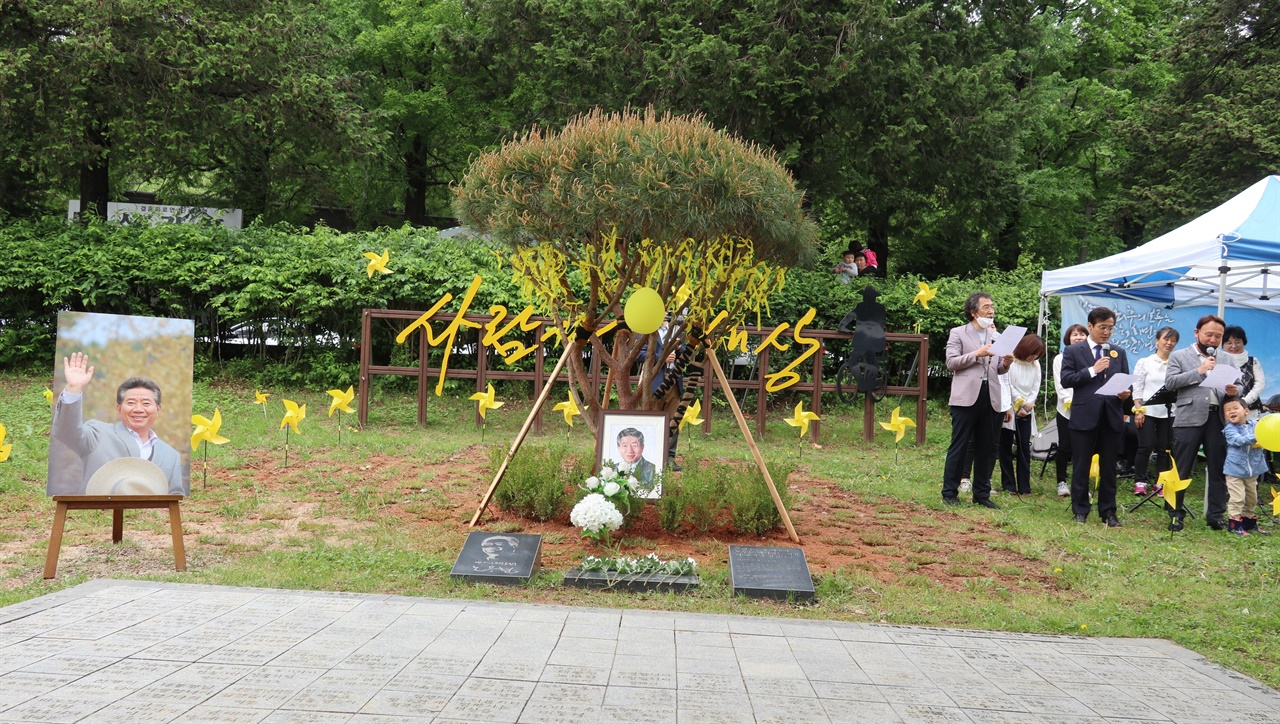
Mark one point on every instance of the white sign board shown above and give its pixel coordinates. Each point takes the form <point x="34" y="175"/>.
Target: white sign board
<point x="162" y="214"/>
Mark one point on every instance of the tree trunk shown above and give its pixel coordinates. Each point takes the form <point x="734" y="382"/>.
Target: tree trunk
<point x="1008" y="245"/>
<point x="94" y="177"/>
<point x="415" y="192"/>
<point x="1083" y="256"/>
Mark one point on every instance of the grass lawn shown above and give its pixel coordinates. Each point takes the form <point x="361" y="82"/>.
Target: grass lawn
<point x="386" y="512"/>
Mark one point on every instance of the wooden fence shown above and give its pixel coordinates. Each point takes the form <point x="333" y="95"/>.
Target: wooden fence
<point x="483" y="374"/>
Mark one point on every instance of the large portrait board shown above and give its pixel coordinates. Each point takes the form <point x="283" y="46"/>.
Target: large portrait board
<point x="634" y="441"/>
<point x="121" y="406"/>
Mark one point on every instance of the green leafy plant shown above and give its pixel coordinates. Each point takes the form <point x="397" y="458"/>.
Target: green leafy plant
<point x="751" y="505"/>
<point x="703" y="488"/>
<point x="534" y="484"/>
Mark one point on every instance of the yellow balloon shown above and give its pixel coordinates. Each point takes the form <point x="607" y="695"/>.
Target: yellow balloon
<point x="1268" y="432"/>
<point x="644" y="311"/>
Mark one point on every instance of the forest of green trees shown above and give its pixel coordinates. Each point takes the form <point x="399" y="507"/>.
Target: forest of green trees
<point x="948" y="136"/>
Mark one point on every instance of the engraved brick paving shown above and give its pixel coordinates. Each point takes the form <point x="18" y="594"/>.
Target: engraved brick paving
<point x="138" y="652"/>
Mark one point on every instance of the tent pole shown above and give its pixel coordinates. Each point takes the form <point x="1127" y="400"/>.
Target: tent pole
<point x="1222" y="289"/>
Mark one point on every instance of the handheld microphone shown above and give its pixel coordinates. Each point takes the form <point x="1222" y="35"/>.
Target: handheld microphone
<point x="1106" y="347"/>
<point x="1208" y="351"/>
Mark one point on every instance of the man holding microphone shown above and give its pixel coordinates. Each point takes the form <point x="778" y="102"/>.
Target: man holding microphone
<point x="1198" y="420"/>
<point x="1097" y="421"/>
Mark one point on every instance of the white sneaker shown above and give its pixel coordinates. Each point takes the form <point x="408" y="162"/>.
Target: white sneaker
<point x="1064" y="490"/>
<point x="965" y="486"/>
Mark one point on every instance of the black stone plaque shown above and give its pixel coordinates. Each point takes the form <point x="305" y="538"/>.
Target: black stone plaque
<point x="506" y="558"/>
<point x="765" y="572"/>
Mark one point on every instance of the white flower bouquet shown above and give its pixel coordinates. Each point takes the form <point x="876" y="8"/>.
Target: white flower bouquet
<point x="596" y="516"/>
<point x="618" y="486"/>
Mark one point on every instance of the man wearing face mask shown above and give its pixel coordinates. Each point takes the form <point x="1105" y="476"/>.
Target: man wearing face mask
<point x="1198" y="420"/>
<point x="975" y="400"/>
<point x="1097" y="421"/>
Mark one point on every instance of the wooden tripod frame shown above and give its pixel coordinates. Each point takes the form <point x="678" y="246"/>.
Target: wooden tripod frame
<point x="733" y="404"/>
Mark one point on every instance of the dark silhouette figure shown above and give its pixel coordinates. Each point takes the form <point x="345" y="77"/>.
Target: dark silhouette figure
<point x="868" y="338"/>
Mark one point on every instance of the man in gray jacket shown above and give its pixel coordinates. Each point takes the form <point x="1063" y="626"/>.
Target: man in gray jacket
<point x="1198" y="420"/>
<point x="97" y="442"/>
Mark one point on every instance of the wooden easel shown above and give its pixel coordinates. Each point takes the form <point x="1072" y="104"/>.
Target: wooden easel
<point x="733" y="404"/>
<point x="117" y="504"/>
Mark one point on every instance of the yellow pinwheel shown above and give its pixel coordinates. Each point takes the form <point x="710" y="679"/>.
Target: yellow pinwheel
<point x="5" y="448"/>
<point x="294" y="413"/>
<point x="377" y="263"/>
<point x="569" y="408"/>
<point x="801" y="418"/>
<point x="342" y="400"/>
<point x="341" y="403"/>
<point x="898" y="424"/>
<point x="207" y="430"/>
<point x="485" y="402"/>
<point x="1172" y="483"/>
<point x="1095" y="471"/>
<point x="691" y="415"/>
<point x="1275" y="497"/>
<point x="925" y="294"/>
<point x="48" y="396"/>
<point x="260" y="398"/>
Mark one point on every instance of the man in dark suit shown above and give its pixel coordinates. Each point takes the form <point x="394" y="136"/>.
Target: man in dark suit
<point x="1097" y="421"/>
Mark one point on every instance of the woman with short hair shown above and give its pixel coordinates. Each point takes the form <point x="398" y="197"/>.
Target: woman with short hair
<point x="1153" y="422"/>
<point x="1023" y="380"/>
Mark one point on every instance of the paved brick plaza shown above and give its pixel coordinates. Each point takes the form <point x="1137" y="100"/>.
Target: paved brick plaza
<point x="141" y="652"/>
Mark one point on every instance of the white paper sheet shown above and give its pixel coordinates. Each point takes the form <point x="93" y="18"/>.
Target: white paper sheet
<point x="1007" y="340"/>
<point x="1221" y="376"/>
<point x="1119" y="382"/>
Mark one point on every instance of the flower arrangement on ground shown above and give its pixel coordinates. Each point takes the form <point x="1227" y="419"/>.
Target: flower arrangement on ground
<point x="646" y="565"/>
<point x="609" y="496"/>
<point x="596" y="516"/>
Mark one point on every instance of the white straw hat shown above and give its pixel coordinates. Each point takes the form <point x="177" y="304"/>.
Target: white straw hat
<point x="128" y="476"/>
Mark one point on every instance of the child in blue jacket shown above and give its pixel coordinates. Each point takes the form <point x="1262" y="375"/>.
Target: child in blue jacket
<point x="1245" y="462"/>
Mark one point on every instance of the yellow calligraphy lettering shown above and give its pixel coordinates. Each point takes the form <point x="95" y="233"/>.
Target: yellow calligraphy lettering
<point x="772" y="339"/>
<point x="514" y="349"/>
<point x="786" y="377"/>
<point x="716" y="322"/>
<point x="738" y="340"/>
<point x="424" y="319"/>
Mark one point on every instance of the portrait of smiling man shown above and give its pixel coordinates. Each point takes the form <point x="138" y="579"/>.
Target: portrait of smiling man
<point x="138" y="406"/>
<point x="631" y="452"/>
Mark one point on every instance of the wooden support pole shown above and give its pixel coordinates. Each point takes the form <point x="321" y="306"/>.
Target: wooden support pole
<point x="755" y="451"/>
<point x="537" y="407"/>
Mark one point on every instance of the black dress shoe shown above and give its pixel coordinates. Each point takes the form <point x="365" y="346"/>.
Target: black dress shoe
<point x="986" y="503"/>
<point x="951" y="501"/>
<point x="1216" y="523"/>
<point x="1175" y="524"/>
<point x="1113" y="521"/>
<point x="1081" y="518"/>
<point x="673" y="466"/>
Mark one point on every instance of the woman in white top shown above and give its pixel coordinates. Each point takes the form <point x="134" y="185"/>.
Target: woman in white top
<point x="1023" y="380"/>
<point x="1074" y="333"/>
<point x="1154" y="422"/>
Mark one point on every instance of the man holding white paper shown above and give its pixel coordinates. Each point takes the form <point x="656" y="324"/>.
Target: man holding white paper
<point x="1093" y="369"/>
<point x="1193" y="373"/>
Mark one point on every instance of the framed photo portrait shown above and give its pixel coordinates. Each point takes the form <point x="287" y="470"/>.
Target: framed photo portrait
<point x="121" y="406"/>
<point x="634" y="441"/>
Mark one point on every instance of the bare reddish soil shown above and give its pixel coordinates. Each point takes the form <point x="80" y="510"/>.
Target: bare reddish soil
<point x="881" y="538"/>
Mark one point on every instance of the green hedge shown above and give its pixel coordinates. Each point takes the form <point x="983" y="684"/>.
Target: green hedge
<point x="303" y="288"/>
<point x="306" y="288"/>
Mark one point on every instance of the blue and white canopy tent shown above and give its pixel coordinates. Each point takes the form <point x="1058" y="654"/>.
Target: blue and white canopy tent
<point x="1224" y="262"/>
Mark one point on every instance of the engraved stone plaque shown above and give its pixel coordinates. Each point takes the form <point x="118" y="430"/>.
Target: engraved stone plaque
<point x="766" y="572"/>
<point x="505" y="558"/>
